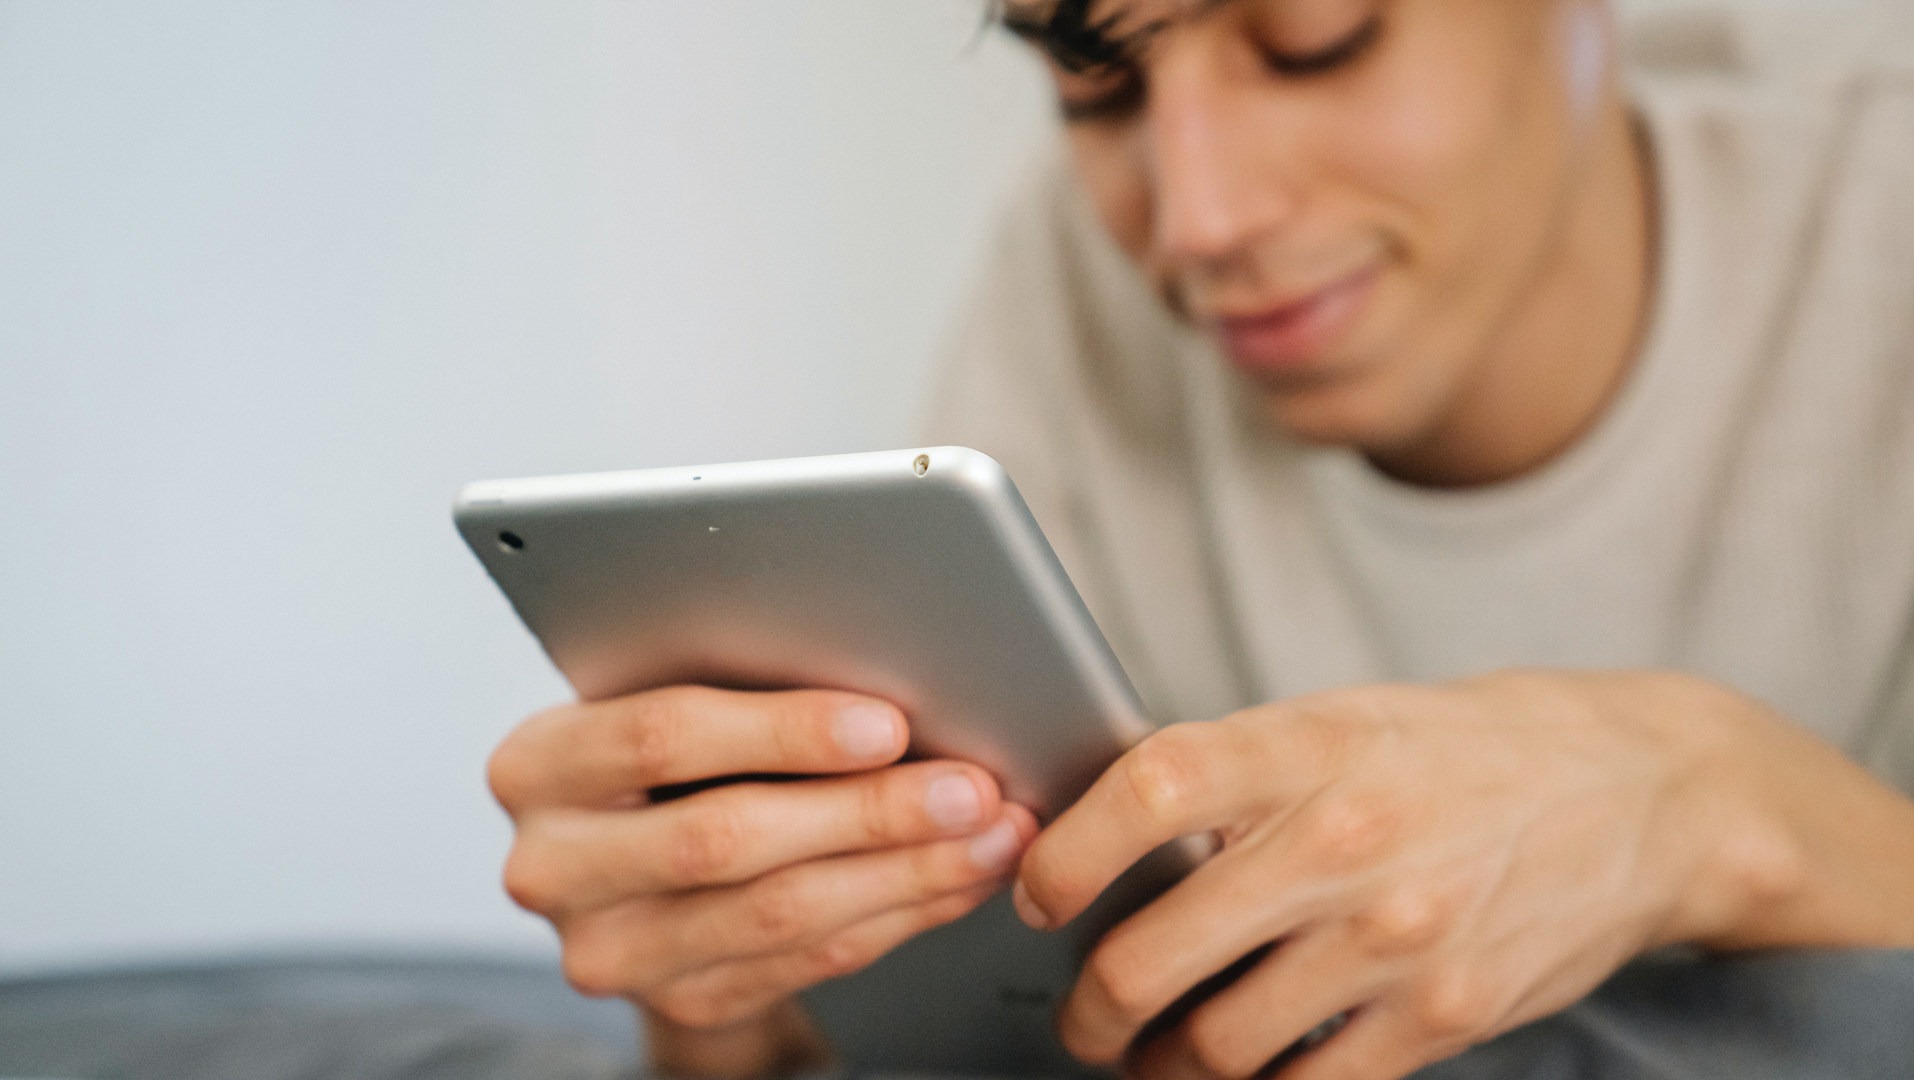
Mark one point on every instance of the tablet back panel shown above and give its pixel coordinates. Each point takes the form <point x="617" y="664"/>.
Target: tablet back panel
<point x="917" y="576"/>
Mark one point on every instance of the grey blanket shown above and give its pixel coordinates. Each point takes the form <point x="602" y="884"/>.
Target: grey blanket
<point x="314" y="1019"/>
<point x="1777" y="1016"/>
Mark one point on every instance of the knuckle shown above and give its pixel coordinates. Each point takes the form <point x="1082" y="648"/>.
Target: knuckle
<point x="509" y="772"/>
<point x="1353" y="829"/>
<point x="1762" y="861"/>
<point x="1455" y="1005"/>
<point x="1165" y="771"/>
<point x="651" y="743"/>
<point x="1122" y="978"/>
<point x="504" y="774"/>
<point x="801" y="725"/>
<point x="1219" y="1047"/>
<point x="1403" y="920"/>
<point x="652" y="730"/>
<point x="593" y="972"/>
<point x="839" y="956"/>
<point x="778" y="911"/>
<point x="530" y="881"/>
<point x="885" y="803"/>
<point x="1323" y="731"/>
<point x="707" y="846"/>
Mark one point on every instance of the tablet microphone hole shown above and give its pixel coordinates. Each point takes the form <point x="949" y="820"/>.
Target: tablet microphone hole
<point x="509" y="541"/>
<point x="922" y="464"/>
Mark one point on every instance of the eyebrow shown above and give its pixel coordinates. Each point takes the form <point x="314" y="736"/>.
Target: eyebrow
<point x="1078" y="44"/>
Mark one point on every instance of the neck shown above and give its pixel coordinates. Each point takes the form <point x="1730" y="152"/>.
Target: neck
<point x="1558" y="362"/>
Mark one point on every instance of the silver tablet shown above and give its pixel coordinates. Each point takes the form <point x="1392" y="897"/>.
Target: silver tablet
<point x="917" y="576"/>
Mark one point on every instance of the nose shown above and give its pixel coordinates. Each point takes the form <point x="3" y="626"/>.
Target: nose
<point x="1216" y="168"/>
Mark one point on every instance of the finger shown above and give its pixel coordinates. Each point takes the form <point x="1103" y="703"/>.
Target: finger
<point x="803" y="904"/>
<point x="1168" y="1057"/>
<point x="1376" y="1044"/>
<point x="1292" y="999"/>
<point x="1186" y="779"/>
<point x="606" y="752"/>
<point x="1172" y="1056"/>
<point x="731" y="992"/>
<point x="1259" y="890"/>
<point x="1227" y="908"/>
<point x="637" y="946"/>
<point x="580" y="860"/>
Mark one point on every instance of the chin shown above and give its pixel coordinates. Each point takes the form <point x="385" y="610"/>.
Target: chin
<point x="1355" y="413"/>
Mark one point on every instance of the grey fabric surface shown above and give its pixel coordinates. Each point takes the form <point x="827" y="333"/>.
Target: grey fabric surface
<point x="1776" y="1016"/>
<point x="1770" y="1016"/>
<point x="314" y="1019"/>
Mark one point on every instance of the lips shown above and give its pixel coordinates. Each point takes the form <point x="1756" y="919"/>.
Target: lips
<point x="1294" y="337"/>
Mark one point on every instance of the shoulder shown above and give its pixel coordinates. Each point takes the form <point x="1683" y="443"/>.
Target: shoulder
<point x="1784" y="147"/>
<point x="1785" y="140"/>
<point x="1776" y="98"/>
<point x="1828" y="39"/>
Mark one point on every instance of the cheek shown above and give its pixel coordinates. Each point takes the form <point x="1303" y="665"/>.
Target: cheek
<point x="1457" y="147"/>
<point x="1427" y="153"/>
<point x="1117" y="183"/>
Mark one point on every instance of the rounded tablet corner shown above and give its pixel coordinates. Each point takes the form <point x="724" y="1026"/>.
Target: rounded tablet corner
<point x="960" y="466"/>
<point x="474" y="496"/>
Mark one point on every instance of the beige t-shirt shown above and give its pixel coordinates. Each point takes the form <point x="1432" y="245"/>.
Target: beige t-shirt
<point x="1744" y="510"/>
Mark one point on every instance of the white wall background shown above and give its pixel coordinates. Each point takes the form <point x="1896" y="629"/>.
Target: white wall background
<point x="275" y="279"/>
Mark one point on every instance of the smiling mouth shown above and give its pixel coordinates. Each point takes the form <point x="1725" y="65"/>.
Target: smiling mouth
<point x="1293" y="336"/>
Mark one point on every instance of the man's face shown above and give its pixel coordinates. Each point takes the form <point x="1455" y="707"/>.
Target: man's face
<point x="1354" y="194"/>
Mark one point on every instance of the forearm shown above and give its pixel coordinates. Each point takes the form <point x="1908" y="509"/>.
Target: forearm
<point x="1807" y="848"/>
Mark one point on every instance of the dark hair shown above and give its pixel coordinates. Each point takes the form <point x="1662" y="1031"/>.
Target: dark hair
<point x="1064" y="30"/>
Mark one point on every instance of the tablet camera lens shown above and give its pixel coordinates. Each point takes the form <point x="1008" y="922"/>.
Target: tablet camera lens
<point x="922" y="464"/>
<point x="510" y="542"/>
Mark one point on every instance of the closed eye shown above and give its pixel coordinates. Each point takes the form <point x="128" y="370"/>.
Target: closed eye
<point x="1321" y="61"/>
<point x="1123" y="98"/>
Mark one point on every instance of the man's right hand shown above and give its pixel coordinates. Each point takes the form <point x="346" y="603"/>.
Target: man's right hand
<point x="711" y="910"/>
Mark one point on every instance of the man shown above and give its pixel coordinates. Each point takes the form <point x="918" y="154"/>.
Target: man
<point x="1502" y="472"/>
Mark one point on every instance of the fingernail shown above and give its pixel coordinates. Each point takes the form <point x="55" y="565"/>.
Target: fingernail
<point x="1027" y="909"/>
<point x="953" y="801"/>
<point x="866" y="730"/>
<point x="996" y="848"/>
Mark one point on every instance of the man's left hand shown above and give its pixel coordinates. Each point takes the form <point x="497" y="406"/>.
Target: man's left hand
<point x="1439" y="864"/>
